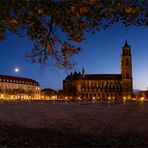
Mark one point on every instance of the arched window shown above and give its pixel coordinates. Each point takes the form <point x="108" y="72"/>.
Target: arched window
<point x="127" y="75"/>
<point x="106" y="84"/>
<point x="127" y="62"/>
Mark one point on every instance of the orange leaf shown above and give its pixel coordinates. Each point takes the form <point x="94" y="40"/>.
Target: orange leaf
<point x="78" y="39"/>
<point x="84" y="9"/>
<point x="49" y="48"/>
<point x="83" y="25"/>
<point x="72" y="8"/>
<point x="130" y="10"/>
<point x="13" y="23"/>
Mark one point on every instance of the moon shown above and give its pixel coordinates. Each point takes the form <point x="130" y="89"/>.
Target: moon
<point x="16" y="70"/>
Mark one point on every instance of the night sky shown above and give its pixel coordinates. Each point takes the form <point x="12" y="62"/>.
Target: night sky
<point x="101" y="55"/>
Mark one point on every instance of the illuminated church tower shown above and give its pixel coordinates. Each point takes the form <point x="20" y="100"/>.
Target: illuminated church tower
<point x="82" y="86"/>
<point x="126" y="70"/>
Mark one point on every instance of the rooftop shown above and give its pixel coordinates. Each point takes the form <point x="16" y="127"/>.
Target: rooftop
<point x="6" y="78"/>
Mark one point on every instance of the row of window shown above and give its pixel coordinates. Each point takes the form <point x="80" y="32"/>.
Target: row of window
<point x="12" y="86"/>
<point x="102" y="88"/>
<point x="97" y="83"/>
<point x="16" y="81"/>
<point x="100" y="95"/>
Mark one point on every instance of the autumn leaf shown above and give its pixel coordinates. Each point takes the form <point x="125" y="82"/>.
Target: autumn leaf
<point x="13" y="23"/>
<point x="41" y="23"/>
<point x="72" y="8"/>
<point x="49" y="48"/>
<point x="83" y="25"/>
<point x="130" y="10"/>
<point x="84" y="10"/>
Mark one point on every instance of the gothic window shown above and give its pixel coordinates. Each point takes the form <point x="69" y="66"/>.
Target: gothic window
<point x="106" y="84"/>
<point x="127" y="75"/>
<point x="98" y="84"/>
<point x="83" y="96"/>
<point x="102" y="84"/>
<point x="86" y="95"/>
<point x="115" y="85"/>
<point x="92" y="84"/>
<point x="111" y="85"/>
<point x="124" y="52"/>
<point x="127" y="62"/>
<point x="95" y="84"/>
<point x="91" y="96"/>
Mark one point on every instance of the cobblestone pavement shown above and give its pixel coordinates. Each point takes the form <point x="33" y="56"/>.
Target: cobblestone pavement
<point x="73" y="124"/>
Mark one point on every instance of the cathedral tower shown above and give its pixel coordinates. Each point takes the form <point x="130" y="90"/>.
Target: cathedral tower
<point x="126" y="70"/>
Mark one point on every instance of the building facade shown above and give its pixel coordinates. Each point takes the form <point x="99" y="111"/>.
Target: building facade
<point x="49" y="94"/>
<point x="102" y="86"/>
<point x="12" y="88"/>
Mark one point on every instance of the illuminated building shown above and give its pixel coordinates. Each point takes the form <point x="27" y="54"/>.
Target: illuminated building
<point x="102" y="86"/>
<point x="142" y="95"/>
<point x="12" y="88"/>
<point x="48" y="94"/>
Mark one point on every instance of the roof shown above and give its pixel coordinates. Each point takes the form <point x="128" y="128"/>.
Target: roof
<point x="19" y="80"/>
<point x="126" y="44"/>
<point x="95" y="77"/>
<point x="103" y="76"/>
<point x="48" y="89"/>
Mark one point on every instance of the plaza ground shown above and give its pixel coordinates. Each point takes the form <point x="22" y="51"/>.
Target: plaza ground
<point x="73" y="124"/>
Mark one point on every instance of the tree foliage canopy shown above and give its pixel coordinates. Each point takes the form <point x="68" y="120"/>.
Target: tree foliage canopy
<point x="41" y="20"/>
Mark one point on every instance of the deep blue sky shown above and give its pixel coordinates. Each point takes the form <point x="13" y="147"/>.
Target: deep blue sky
<point x="101" y="54"/>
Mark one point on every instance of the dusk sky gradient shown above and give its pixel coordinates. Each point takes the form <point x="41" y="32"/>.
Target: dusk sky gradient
<point x="101" y="55"/>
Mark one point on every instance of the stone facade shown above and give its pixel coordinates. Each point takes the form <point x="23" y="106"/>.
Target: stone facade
<point x="49" y="94"/>
<point x="18" y="88"/>
<point x="102" y="86"/>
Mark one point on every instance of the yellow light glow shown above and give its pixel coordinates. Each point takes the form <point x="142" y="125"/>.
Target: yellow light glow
<point x="124" y="98"/>
<point x="54" y="97"/>
<point x="94" y="98"/>
<point x="79" y="98"/>
<point x="142" y="99"/>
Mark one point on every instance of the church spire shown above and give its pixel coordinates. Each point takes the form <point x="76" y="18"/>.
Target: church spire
<point x="83" y="71"/>
<point x="126" y="44"/>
